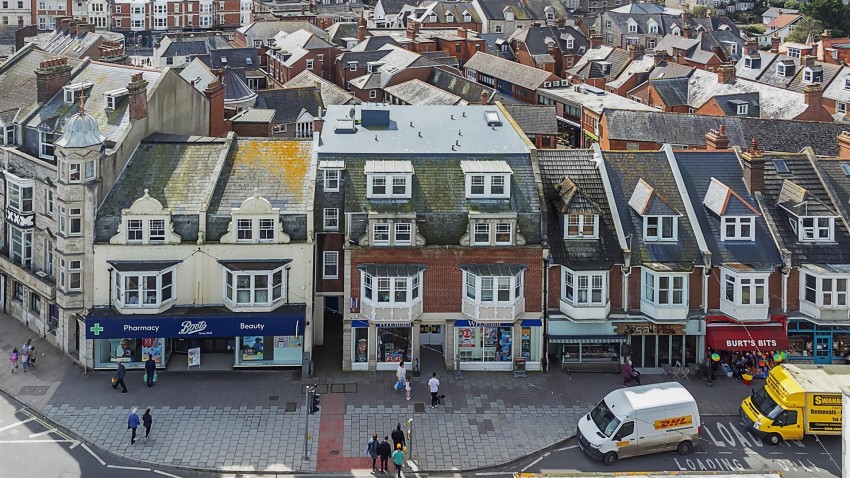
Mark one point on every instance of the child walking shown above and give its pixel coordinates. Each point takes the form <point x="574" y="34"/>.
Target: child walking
<point x="407" y="387"/>
<point x="13" y="357"/>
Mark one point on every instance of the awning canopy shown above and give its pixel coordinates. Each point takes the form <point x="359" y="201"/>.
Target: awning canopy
<point x="743" y="337"/>
<point x="586" y="339"/>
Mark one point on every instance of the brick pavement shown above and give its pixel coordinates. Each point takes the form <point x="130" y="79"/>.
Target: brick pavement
<point x="252" y="420"/>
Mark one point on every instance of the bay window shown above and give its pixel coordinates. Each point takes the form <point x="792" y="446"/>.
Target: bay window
<point x="744" y="293"/>
<point x="665" y="289"/>
<point x="20" y="194"/>
<point x="147" y="289"/>
<point x="390" y="291"/>
<point x="484" y="289"/>
<point x="825" y="291"/>
<point x="585" y="288"/>
<point x="20" y="250"/>
<point x="252" y="287"/>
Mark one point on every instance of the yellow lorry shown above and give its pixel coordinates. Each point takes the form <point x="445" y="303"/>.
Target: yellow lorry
<point x="796" y="400"/>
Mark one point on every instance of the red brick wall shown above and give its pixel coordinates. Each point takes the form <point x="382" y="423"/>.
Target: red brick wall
<point x="710" y="108"/>
<point x="329" y="242"/>
<point x="774" y="290"/>
<point x="695" y="283"/>
<point x="714" y="288"/>
<point x="793" y="290"/>
<point x="252" y="130"/>
<point x="442" y="283"/>
<point x="554" y="293"/>
<point x="634" y="288"/>
<point x="615" y="287"/>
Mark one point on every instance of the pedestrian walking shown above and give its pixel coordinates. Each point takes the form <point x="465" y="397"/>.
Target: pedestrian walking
<point x="147" y="422"/>
<point x="25" y="354"/>
<point x="150" y="370"/>
<point x="132" y="424"/>
<point x="118" y="379"/>
<point x="384" y="451"/>
<point x="627" y="373"/>
<point x="372" y="449"/>
<point x="33" y="355"/>
<point x="398" y="437"/>
<point x="400" y="375"/>
<point x="434" y="388"/>
<point x="407" y="388"/>
<point x="398" y="459"/>
<point x="13" y="357"/>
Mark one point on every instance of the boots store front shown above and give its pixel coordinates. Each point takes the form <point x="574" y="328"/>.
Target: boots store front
<point x="251" y="339"/>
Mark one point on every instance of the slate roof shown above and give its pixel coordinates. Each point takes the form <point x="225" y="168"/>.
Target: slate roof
<point x="535" y="39"/>
<point x="729" y="104"/>
<point x="672" y="91"/>
<point x="417" y="92"/>
<point x="670" y="70"/>
<point x="235" y="88"/>
<point x="804" y="175"/>
<point x="579" y="167"/>
<point x="439" y="195"/>
<point x="199" y="73"/>
<point x="392" y="7"/>
<point x="298" y="44"/>
<point x="523" y="10"/>
<point x="468" y="90"/>
<point x="783" y="21"/>
<point x="766" y="57"/>
<point x="234" y="58"/>
<point x="639" y="67"/>
<point x="776" y="103"/>
<point x="625" y="170"/>
<point x="340" y="30"/>
<point x="177" y="171"/>
<point x="331" y="94"/>
<point x="376" y="42"/>
<point x="534" y="119"/>
<point x="838" y="181"/>
<point x="288" y="103"/>
<point x="493" y="45"/>
<point x="278" y="170"/>
<point x="268" y="30"/>
<point x="102" y="77"/>
<point x="526" y="77"/>
<point x="698" y="169"/>
<point x="688" y="129"/>
<point x="190" y="46"/>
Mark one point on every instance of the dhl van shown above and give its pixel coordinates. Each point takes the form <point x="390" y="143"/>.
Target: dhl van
<point x="640" y="420"/>
<point x="796" y="400"/>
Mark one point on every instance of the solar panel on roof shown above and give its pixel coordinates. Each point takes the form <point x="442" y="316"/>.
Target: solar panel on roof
<point x="780" y="166"/>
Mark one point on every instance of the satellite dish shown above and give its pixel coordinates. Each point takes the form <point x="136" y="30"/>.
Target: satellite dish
<point x="351" y="113"/>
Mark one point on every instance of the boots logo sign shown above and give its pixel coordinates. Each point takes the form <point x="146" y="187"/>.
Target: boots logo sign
<point x="193" y="328"/>
<point x="20" y="220"/>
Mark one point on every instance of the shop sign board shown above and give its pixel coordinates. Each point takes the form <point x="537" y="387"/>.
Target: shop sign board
<point x="647" y="328"/>
<point x="194" y="357"/>
<point x="134" y="326"/>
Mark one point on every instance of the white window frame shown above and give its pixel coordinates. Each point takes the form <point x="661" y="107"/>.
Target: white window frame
<point x="156" y="231"/>
<point x="309" y="64"/>
<point x="659" y="236"/>
<point x="476" y="288"/>
<point x="584" y="289"/>
<point x="48" y="257"/>
<point x="389" y="184"/>
<point x="391" y="287"/>
<point x="743" y="109"/>
<point x="580" y="223"/>
<point x="740" y="225"/>
<point x="275" y="291"/>
<point x="20" y="194"/>
<point x="830" y="291"/>
<point x="330" y="265"/>
<point x="164" y="288"/>
<point x="46" y="149"/>
<point x="480" y="229"/>
<point x="244" y="229"/>
<point x="812" y="232"/>
<point x="20" y="245"/>
<point x="9" y="135"/>
<point x="653" y="289"/>
<point x="75" y="218"/>
<point x="489" y="184"/>
<point x="744" y="289"/>
<point x="135" y="230"/>
<point x="841" y="107"/>
<point x="331" y="178"/>
<point x="381" y="233"/>
<point x="330" y="220"/>
<point x="400" y="231"/>
<point x="500" y="229"/>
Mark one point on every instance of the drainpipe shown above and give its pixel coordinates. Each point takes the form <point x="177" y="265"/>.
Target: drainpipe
<point x="110" y="288"/>
<point x="545" y="357"/>
<point x="287" y="267"/>
<point x="705" y="278"/>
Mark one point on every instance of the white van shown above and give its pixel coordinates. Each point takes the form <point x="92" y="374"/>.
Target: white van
<point x="640" y="420"/>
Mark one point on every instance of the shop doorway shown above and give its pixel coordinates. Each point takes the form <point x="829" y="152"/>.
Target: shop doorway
<point x="327" y="357"/>
<point x="432" y="335"/>
<point x="217" y="345"/>
<point x="823" y="349"/>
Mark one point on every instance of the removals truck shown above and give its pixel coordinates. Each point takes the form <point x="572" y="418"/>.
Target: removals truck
<point x="796" y="400"/>
<point x="640" y="420"/>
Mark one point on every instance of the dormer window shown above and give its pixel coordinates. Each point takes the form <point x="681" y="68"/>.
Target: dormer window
<point x="660" y="219"/>
<point x="815" y="229"/>
<point x="743" y="109"/>
<point x="784" y="69"/>
<point x="737" y="217"/>
<point x="660" y="228"/>
<point x="813" y="75"/>
<point x="487" y="179"/>
<point x="72" y="92"/>
<point x="581" y="226"/>
<point x="605" y="66"/>
<point x="752" y="63"/>
<point x="331" y="174"/>
<point x="393" y="231"/>
<point x="653" y="27"/>
<point x="450" y="18"/>
<point x="509" y="14"/>
<point x="114" y="97"/>
<point x="467" y="18"/>
<point x="676" y="31"/>
<point x="737" y="228"/>
<point x="570" y="42"/>
<point x="432" y="18"/>
<point x="388" y="179"/>
<point x="847" y="83"/>
<point x="632" y="25"/>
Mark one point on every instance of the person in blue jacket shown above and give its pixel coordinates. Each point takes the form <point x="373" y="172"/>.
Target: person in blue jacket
<point x="133" y="423"/>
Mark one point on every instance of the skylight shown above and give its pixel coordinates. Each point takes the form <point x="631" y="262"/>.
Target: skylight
<point x="845" y="166"/>
<point x="780" y="166"/>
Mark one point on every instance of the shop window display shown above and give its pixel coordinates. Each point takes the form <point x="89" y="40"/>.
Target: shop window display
<point x="131" y="352"/>
<point x="488" y="344"/>
<point x="361" y="344"/>
<point x="269" y="350"/>
<point x="394" y="344"/>
<point x="591" y="352"/>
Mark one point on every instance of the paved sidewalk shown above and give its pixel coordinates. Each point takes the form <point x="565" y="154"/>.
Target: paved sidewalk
<point x="253" y="421"/>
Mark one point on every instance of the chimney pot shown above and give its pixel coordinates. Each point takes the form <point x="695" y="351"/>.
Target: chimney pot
<point x="716" y="139"/>
<point x="774" y="43"/>
<point x="50" y="77"/>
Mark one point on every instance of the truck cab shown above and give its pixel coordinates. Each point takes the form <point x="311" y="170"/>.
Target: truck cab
<point x="640" y="420"/>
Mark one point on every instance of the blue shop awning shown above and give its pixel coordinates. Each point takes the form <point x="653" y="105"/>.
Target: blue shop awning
<point x="195" y="322"/>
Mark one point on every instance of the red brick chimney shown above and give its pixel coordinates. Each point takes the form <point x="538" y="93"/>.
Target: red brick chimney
<point x="774" y="43"/>
<point x="687" y="31"/>
<point x="215" y="94"/>
<point x="361" y="29"/>
<point x="812" y="94"/>
<point x="844" y="145"/>
<point x="485" y="98"/>
<point x="751" y="47"/>
<point x="50" y="77"/>
<point x="318" y="123"/>
<point x="636" y="51"/>
<point x="725" y="73"/>
<point x="716" y="139"/>
<point x="138" y="89"/>
<point x="660" y="56"/>
<point x="595" y="40"/>
<point x="412" y="30"/>
<point x="461" y="32"/>
<point x="753" y="168"/>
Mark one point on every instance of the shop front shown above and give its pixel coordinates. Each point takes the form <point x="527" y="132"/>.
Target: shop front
<point x="491" y="345"/>
<point x="817" y="342"/>
<point x="654" y="345"/>
<point x="723" y="334"/>
<point x="276" y="338"/>
<point x="388" y="343"/>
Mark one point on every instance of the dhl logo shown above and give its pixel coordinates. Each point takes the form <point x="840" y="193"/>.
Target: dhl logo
<point x="673" y="422"/>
